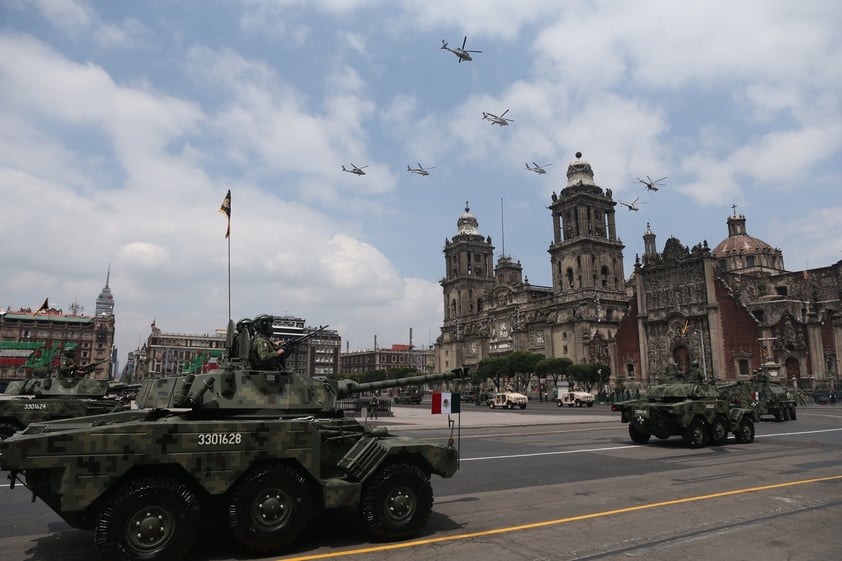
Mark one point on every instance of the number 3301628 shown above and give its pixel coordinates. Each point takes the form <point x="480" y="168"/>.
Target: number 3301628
<point x="217" y="438"/>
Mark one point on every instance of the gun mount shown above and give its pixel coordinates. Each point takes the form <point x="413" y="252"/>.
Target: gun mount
<point x="208" y="449"/>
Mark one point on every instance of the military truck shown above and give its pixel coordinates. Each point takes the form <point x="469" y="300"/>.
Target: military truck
<point x="258" y="451"/>
<point x="764" y="396"/>
<point x="507" y="400"/>
<point x="687" y="408"/>
<point x="53" y="397"/>
<point x="573" y="397"/>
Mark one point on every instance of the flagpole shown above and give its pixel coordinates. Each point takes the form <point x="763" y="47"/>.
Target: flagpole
<point x="229" y="278"/>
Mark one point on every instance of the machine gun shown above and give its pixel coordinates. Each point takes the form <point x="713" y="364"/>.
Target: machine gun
<point x="87" y="369"/>
<point x="288" y="346"/>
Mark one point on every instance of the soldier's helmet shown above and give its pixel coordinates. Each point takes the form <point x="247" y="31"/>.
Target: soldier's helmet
<point x="263" y="324"/>
<point x="245" y="324"/>
<point x="69" y="352"/>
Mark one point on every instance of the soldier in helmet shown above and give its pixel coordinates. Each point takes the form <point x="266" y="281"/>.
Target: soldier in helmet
<point x="263" y="355"/>
<point x="67" y="368"/>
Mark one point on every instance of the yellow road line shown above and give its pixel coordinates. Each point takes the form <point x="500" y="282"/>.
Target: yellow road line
<point x="558" y="521"/>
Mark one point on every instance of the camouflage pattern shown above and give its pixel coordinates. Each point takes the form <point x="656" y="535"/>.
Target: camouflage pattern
<point x="261" y="451"/>
<point x="762" y="395"/>
<point x="45" y="399"/>
<point x="692" y="410"/>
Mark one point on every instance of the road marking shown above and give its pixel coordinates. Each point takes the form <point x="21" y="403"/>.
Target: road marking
<point x="558" y="521"/>
<point x="554" y="453"/>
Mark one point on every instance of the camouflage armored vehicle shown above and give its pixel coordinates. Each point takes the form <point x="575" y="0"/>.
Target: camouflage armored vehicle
<point x="54" y="397"/>
<point x="690" y="409"/>
<point x="258" y="451"/>
<point x="762" y="395"/>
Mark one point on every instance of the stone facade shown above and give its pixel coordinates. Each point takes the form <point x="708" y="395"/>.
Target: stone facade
<point x="490" y="312"/>
<point x="731" y="309"/>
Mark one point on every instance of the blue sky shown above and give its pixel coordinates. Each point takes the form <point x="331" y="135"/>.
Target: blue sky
<point x="122" y="125"/>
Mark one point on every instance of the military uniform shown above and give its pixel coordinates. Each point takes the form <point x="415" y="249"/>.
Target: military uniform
<point x="262" y="355"/>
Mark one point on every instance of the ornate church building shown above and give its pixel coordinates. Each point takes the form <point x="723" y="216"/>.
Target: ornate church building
<point x="730" y="309"/>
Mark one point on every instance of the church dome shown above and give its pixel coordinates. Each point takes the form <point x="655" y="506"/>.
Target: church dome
<point x="579" y="172"/>
<point x="741" y="252"/>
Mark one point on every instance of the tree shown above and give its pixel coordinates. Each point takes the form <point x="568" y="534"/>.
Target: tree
<point x="520" y="365"/>
<point x="553" y="368"/>
<point x="589" y="374"/>
<point x="493" y="368"/>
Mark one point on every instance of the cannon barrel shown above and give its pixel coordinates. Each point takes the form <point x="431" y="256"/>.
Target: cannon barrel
<point x="346" y="388"/>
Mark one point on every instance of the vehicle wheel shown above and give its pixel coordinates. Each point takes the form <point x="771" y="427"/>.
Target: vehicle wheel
<point x="152" y="518"/>
<point x="7" y="430"/>
<point x="792" y="413"/>
<point x="269" y="508"/>
<point x="745" y="432"/>
<point x="696" y="434"/>
<point x="719" y="430"/>
<point x="523" y="406"/>
<point x="558" y="403"/>
<point x="396" y="502"/>
<point x="637" y="435"/>
<point x="491" y="405"/>
<point x="510" y="405"/>
<point x="778" y="415"/>
<point x="578" y="403"/>
<point x="590" y="404"/>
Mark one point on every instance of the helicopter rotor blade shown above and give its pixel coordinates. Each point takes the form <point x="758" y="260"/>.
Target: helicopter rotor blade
<point x="465" y="40"/>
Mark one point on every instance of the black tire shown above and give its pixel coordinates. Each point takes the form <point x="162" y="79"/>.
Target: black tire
<point x="792" y="416"/>
<point x="522" y="406"/>
<point x="719" y="430"/>
<point x="396" y="502"/>
<point x="270" y="508"/>
<point x="578" y="403"/>
<point x="745" y="431"/>
<point x="558" y="403"/>
<point x="7" y="430"/>
<point x="778" y="415"/>
<point x="638" y="436"/>
<point x="590" y="404"/>
<point x="510" y="405"/>
<point x="154" y="518"/>
<point x="696" y="435"/>
<point x="491" y="405"/>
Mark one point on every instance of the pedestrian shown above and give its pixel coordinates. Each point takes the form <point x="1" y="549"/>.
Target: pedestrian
<point x="373" y="406"/>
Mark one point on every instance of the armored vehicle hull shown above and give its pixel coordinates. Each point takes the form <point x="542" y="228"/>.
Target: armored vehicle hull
<point x="260" y="452"/>
<point x="18" y="412"/>
<point x="692" y="411"/>
<point x="47" y="399"/>
<point x="765" y="398"/>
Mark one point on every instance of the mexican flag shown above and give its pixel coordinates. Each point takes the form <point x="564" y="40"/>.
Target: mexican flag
<point x="445" y="402"/>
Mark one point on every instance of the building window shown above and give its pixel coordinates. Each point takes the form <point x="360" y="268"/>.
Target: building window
<point x="781" y="290"/>
<point x="742" y="365"/>
<point x="630" y="371"/>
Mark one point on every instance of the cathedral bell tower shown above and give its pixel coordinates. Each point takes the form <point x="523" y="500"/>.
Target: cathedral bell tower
<point x="469" y="278"/>
<point x="586" y="256"/>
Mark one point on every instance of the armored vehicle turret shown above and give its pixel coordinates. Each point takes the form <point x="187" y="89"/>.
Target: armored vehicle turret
<point x="258" y="451"/>
<point x="53" y="397"/>
<point x="686" y="406"/>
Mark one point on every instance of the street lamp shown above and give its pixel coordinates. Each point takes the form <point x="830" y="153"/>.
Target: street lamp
<point x="704" y="360"/>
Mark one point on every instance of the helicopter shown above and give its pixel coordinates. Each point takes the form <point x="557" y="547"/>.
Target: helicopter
<point x="356" y="170"/>
<point x="632" y="206"/>
<point x="495" y="120"/>
<point x="462" y="53"/>
<point x="538" y="169"/>
<point x="652" y="184"/>
<point x="420" y="170"/>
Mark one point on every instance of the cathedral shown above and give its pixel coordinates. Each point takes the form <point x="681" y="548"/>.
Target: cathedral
<point x="729" y="311"/>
